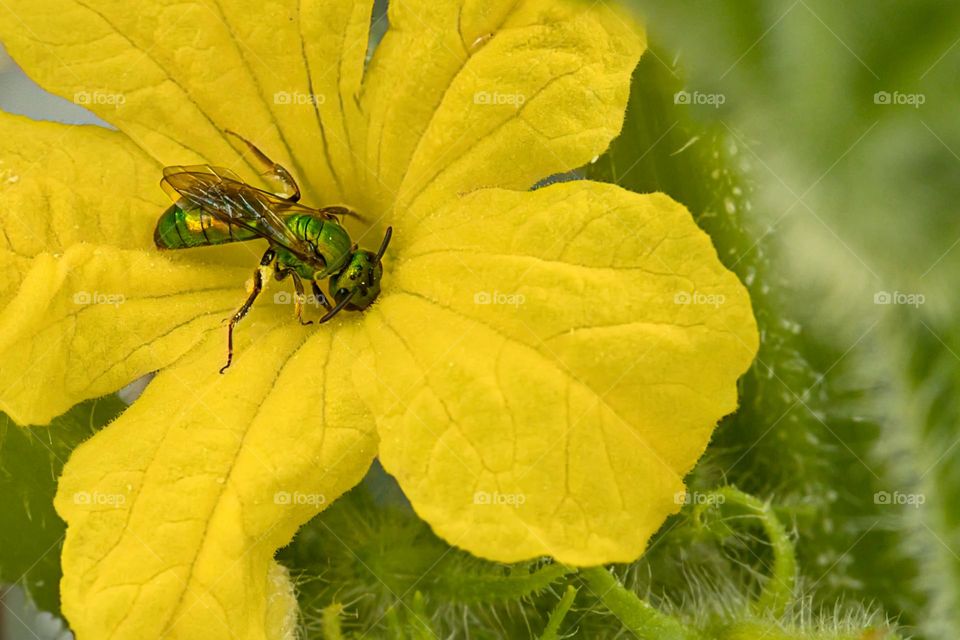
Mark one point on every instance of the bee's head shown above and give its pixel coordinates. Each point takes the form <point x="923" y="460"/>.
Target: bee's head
<point x="361" y="277"/>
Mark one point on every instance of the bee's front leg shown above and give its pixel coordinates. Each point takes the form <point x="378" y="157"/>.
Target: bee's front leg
<point x="321" y="298"/>
<point x="281" y="274"/>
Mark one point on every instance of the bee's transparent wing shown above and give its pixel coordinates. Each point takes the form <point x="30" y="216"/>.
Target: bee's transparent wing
<point x="223" y="195"/>
<point x="222" y="172"/>
<point x="196" y="170"/>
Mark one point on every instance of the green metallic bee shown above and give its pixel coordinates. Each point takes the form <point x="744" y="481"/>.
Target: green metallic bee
<point x="212" y="206"/>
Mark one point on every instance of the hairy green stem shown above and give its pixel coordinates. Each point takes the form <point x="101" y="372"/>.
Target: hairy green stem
<point x="778" y="591"/>
<point x="640" y="617"/>
<point x="464" y="587"/>
<point x="552" y="630"/>
<point x="771" y="631"/>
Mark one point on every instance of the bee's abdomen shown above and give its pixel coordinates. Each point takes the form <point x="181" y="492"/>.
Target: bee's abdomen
<point x="180" y="228"/>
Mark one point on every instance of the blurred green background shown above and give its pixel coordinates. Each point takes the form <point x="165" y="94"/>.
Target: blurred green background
<point x="861" y="194"/>
<point x="847" y="115"/>
<point x="844" y="119"/>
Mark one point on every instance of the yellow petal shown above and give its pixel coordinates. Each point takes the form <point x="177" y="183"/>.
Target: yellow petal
<point x="173" y="76"/>
<point x="307" y="58"/>
<point x="12" y="268"/>
<point x="335" y="39"/>
<point x="551" y="364"/>
<point x="63" y="184"/>
<point x="175" y="510"/>
<point x="475" y="93"/>
<point x="87" y="301"/>
<point x="93" y="318"/>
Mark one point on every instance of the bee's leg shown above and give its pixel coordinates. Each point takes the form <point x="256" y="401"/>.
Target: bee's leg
<point x="278" y="177"/>
<point x="265" y="261"/>
<point x="337" y="309"/>
<point x="318" y="293"/>
<point x="298" y="288"/>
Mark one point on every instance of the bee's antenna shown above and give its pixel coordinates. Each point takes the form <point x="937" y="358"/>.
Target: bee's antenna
<point x="383" y="245"/>
<point x="337" y="309"/>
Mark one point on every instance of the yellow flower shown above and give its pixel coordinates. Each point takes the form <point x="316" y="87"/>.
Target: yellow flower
<point x="539" y="372"/>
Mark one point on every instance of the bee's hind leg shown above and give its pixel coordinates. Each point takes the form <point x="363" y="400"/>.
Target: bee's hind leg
<point x="276" y="175"/>
<point x="265" y="261"/>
